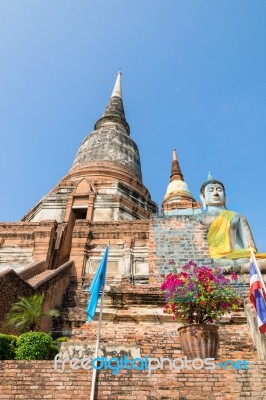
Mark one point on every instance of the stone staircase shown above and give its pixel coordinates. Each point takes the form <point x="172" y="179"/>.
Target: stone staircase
<point x="39" y="277"/>
<point x="72" y="313"/>
<point x="140" y="306"/>
<point x="239" y="317"/>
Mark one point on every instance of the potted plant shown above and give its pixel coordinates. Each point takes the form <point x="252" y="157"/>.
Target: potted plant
<point x="199" y="296"/>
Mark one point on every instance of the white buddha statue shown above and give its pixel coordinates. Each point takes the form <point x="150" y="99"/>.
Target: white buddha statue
<point x="229" y="234"/>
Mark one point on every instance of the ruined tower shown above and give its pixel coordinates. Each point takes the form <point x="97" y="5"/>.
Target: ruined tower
<point x="56" y="248"/>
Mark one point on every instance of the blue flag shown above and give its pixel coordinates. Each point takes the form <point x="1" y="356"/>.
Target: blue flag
<point x="96" y="284"/>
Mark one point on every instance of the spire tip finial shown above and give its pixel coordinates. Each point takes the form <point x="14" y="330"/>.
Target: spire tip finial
<point x="174" y="155"/>
<point x="210" y="177"/>
<point x="117" y="91"/>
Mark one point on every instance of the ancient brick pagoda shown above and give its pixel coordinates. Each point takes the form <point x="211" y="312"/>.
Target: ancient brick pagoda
<point x="57" y="246"/>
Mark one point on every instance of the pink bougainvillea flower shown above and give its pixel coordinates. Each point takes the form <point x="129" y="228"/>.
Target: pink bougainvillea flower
<point x="234" y="276"/>
<point x="199" y="294"/>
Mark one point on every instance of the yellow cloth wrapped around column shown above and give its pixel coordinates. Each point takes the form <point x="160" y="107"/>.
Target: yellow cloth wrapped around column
<point x="219" y="239"/>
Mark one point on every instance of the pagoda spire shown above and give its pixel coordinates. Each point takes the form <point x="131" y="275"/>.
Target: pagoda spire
<point x="114" y="111"/>
<point x="176" y="173"/>
<point x="178" y="195"/>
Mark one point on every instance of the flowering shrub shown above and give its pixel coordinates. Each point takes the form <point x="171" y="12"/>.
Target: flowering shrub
<point x="199" y="295"/>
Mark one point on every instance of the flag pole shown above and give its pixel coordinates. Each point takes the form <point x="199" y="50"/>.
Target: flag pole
<point x="257" y="268"/>
<point x="94" y="372"/>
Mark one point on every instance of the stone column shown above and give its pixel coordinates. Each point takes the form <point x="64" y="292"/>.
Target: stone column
<point x="43" y="241"/>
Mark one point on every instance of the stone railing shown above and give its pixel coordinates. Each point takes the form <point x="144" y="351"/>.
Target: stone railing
<point x="33" y="270"/>
<point x="14" y="285"/>
<point x="258" y="338"/>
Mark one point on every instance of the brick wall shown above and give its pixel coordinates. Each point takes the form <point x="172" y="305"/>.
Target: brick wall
<point x="12" y="286"/>
<point x="39" y="380"/>
<point x="175" y="240"/>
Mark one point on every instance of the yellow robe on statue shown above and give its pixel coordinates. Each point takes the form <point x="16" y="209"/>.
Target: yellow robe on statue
<point x="219" y="239"/>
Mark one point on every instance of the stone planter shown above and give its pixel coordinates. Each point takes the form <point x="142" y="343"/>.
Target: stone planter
<point x="199" y="341"/>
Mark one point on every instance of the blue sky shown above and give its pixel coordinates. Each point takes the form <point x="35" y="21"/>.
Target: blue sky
<point x="193" y="78"/>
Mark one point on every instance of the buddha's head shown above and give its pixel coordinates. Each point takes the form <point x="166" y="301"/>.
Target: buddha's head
<point x="212" y="193"/>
